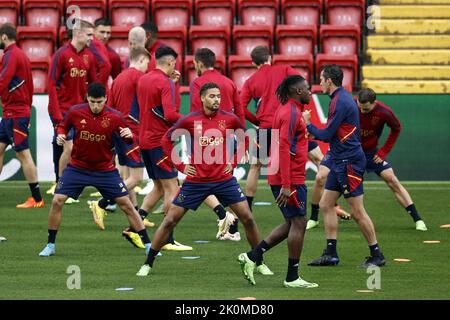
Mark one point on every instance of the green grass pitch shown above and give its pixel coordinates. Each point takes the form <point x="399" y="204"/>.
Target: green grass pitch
<point x="107" y="261"/>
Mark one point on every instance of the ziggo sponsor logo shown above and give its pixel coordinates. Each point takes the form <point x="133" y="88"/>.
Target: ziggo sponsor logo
<point x="86" y="135"/>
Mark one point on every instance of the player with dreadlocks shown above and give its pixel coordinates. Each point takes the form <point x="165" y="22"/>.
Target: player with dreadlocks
<point x="287" y="181"/>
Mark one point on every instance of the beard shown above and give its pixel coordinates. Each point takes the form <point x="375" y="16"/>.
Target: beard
<point x="2" y="46"/>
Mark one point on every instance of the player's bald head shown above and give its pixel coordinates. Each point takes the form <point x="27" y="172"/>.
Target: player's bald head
<point x="136" y="37"/>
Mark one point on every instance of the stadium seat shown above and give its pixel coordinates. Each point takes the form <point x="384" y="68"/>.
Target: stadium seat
<point x="301" y="12"/>
<point x="345" y="12"/>
<point x="189" y="69"/>
<point x="337" y="39"/>
<point x="119" y="41"/>
<point x="302" y="63"/>
<point x="128" y="13"/>
<point x="37" y="43"/>
<point x="43" y="13"/>
<point x="9" y="11"/>
<point x="349" y="65"/>
<point x="39" y="72"/>
<point x="296" y="39"/>
<point x="215" y="12"/>
<point x="172" y="13"/>
<point x="248" y="37"/>
<point x="257" y="12"/>
<point x="90" y="10"/>
<point x="174" y="37"/>
<point x="240" y="68"/>
<point x="216" y="38"/>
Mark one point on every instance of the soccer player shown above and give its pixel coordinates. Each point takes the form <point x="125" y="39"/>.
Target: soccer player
<point x="124" y="99"/>
<point x="102" y="33"/>
<point x="102" y="65"/>
<point x="261" y="87"/>
<point x="288" y="183"/>
<point x="374" y="115"/>
<point x="16" y="92"/>
<point x="204" y="62"/>
<point x="151" y="42"/>
<point x="71" y="68"/>
<point x="91" y="162"/>
<point x="156" y="95"/>
<point x="348" y="163"/>
<point x="209" y="131"/>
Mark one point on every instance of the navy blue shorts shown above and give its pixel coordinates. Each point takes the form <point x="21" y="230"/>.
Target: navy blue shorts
<point x="376" y="167"/>
<point x="192" y="195"/>
<point x="263" y="143"/>
<point x="296" y="205"/>
<point x="312" y="145"/>
<point x="15" y="131"/>
<point x="129" y="154"/>
<point x="157" y="165"/>
<point x="326" y="161"/>
<point x="346" y="177"/>
<point x="74" y="180"/>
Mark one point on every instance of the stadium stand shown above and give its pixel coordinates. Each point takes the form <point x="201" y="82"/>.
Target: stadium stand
<point x="409" y="49"/>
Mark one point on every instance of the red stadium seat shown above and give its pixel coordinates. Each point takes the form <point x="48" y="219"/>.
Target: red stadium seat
<point x="90" y="10"/>
<point x="37" y="43"/>
<point x="248" y="37"/>
<point x="39" y="72"/>
<point x="43" y="13"/>
<point x="174" y="37"/>
<point x="349" y="65"/>
<point x="240" y="68"/>
<point x="172" y="13"/>
<point x="336" y="39"/>
<point x="191" y="74"/>
<point x="301" y="12"/>
<point x="296" y="40"/>
<point x="128" y="13"/>
<point x="303" y="64"/>
<point x="215" y="12"/>
<point x="345" y="12"/>
<point x="119" y="41"/>
<point x="257" y="12"/>
<point x="9" y="11"/>
<point x="216" y="38"/>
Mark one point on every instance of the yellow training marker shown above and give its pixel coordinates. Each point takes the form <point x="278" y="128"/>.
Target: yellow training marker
<point x="445" y="226"/>
<point x="402" y="260"/>
<point x="364" y="291"/>
<point x="431" y="241"/>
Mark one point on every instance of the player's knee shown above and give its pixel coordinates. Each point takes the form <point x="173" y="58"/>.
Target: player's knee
<point x="58" y="202"/>
<point x="325" y="206"/>
<point x="247" y="220"/>
<point x="320" y="179"/>
<point x="393" y="182"/>
<point x="169" y="222"/>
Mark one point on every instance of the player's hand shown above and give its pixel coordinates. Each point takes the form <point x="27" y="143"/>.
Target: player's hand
<point x="283" y="197"/>
<point x="228" y="168"/>
<point x="125" y="133"/>
<point x="309" y="136"/>
<point x="60" y="139"/>
<point x="189" y="170"/>
<point x="307" y="116"/>
<point x="245" y="158"/>
<point x="175" y="76"/>
<point x="377" y="159"/>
